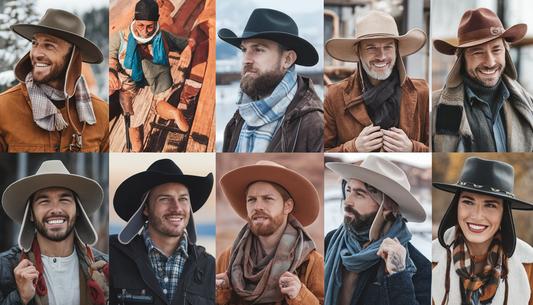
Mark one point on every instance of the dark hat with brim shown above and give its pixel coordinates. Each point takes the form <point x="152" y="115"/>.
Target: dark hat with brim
<point x="129" y="202"/>
<point x="491" y="178"/>
<point x="276" y="26"/>
<point x="66" y="26"/>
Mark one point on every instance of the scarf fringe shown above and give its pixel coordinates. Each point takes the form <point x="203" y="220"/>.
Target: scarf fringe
<point x="60" y="122"/>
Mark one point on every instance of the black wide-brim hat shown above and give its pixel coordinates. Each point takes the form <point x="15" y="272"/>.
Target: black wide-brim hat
<point x="491" y="178"/>
<point x="128" y="201"/>
<point x="276" y="26"/>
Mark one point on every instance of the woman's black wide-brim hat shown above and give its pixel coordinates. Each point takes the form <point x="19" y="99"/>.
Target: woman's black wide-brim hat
<point x="276" y="26"/>
<point x="491" y="178"/>
<point x="128" y="201"/>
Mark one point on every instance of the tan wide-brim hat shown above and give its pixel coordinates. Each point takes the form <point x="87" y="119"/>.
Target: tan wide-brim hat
<point x="64" y="25"/>
<point x="53" y="173"/>
<point x="302" y="191"/>
<point x="375" y="25"/>
<point x="386" y="177"/>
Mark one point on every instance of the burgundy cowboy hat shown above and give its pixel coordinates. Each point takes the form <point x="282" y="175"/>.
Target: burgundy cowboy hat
<point x="129" y="200"/>
<point x="491" y="178"/>
<point x="276" y="26"/>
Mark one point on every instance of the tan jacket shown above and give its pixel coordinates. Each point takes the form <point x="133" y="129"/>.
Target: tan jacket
<point x="345" y="114"/>
<point x="310" y="273"/>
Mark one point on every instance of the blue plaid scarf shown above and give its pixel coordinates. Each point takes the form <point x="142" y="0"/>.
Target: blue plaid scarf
<point x="345" y="249"/>
<point x="262" y="117"/>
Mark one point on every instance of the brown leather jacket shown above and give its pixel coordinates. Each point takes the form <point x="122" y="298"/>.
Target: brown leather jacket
<point x="345" y="114"/>
<point x="310" y="273"/>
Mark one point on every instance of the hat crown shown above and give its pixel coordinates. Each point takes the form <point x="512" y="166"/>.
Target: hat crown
<point x="64" y="21"/>
<point x="165" y="166"/>
<point x="488" y="173"/>
<point x="479" y="19"/>
<point x="268" y="20"/>
<point x="387" y="169"/>
<point x="52" y="167"/>
<point x="375" y="23"/>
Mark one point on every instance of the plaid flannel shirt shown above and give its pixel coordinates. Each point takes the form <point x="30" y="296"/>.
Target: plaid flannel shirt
<point x="167" y="269"/>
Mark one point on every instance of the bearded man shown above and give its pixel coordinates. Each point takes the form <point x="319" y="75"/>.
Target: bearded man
<point x="53" y="262"/>
<point x="482" y="108"/>
<point x="273" y="259"/>
<point x="378" y="108"/>
<point x="51" y="109"/>
<point x="278" y="110"/>
<point x="369" y="259"/>
<point x="161" y="264"/>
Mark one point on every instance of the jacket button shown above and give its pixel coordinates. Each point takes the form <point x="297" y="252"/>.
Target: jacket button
<point x="56" y="148"/>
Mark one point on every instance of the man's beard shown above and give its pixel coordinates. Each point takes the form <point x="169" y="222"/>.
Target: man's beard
<point x="473" y="75"/>
<point x="158" y="225"/>
<point x="261" y="83"/>
<point x="359" y="222"/>
<point x="54" y="234"/>
<point x="57" y="72"/>
<point x="269" y="229"/>
<point x="384" y="75"/>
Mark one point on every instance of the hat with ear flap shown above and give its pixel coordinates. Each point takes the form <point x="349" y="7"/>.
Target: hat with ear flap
<point x="87" y="192"/>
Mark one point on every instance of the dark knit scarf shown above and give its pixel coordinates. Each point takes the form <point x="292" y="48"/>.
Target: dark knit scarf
<point x="383" y="101"/>
<point x="254" y="275"/>
<point x="492" y="95"/>
<point x="96" y="274"/>
<point x="479" y="289"/>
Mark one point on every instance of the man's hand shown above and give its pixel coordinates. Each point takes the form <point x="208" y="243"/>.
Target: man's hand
<point x="222" y="281"/>
<point x="114" y="83"/>
<point x="370" y="138"/>
<point x="394" y="255"/>
<point x="25" y="274"/>
<point x="185" y="58"/>
<point x="290" y="284"/>
<point x="395" y="140"/>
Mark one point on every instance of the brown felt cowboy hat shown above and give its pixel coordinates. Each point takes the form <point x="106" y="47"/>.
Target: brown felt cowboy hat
<point x="376" y="25"/>
<point x="301" y="190"/>
<point x="477" y="27"/>
<point x="491" y="178"/>
<point x="53" y="173"/>
<point x="66" y="26"/>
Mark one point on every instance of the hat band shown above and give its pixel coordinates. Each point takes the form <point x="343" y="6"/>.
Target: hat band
<point x="377" y="35"/>
<point x="480" y="34"/>
<point x="484" y="187"/>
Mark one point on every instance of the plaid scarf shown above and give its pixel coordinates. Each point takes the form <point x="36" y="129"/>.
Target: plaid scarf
<point x="263" y="117"/>
<point x="479" y="289"/>
<point x="254" y="275"/>
<point x="45" y="113"/>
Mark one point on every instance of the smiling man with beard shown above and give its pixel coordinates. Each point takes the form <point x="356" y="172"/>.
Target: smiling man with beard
<point x="53" y="262"/>
<point x="378" y="108"/>
<point x="51" y="109"/>
<point x="278" y="110"/>
<point x="273" y="259"/>
<point x="482" y="108"/>
<point x="161" y="264"/>
<point x="369" y="259"/>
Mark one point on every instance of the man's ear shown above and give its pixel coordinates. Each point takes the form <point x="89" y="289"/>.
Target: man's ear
<point x="356" y="49"/>
<point x="31" y="214"/>
<point x="289" y="57"/>
<point x="289" y="205"/>
<point x="145" y="210"/>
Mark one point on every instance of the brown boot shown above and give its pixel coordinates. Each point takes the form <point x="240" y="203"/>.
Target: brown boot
<point x="136" y="139"/>
<point x="169" y="112"/>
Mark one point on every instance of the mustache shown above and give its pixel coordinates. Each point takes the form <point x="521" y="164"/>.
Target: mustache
<point x="349" y="209"/>
<point x="248" y="68"/>
<point x="175" y="214"/>
<point x="496" y="66"/>
<point x="262" y="214"/>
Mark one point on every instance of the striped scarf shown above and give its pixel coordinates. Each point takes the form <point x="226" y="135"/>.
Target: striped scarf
<point x="481" y="288"/>
<point x="263" y="117"/>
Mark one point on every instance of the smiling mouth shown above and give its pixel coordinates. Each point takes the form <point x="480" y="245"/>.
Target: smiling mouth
<point x="476" y="228"/>
<point x="489" y="72"/>
<point x="380" y="65"/>
<point x="55" y="221"/>
<point x="175" y="219"/>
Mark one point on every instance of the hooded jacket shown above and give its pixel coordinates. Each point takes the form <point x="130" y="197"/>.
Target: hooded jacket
<point x="131" y="274"/>
<point x="302" y="129"/>
<point x="310" y="273"/>
<point x="19" y="133"/>
<point x="346" y="114"/>
<point x="8" y="286"/>
<point x="520" y="277"/>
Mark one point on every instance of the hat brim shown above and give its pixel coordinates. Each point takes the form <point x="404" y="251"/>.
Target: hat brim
<point x="515" y="203"/>
<point x="410" y="208"/>
<point x="16" y="195"/>
<point x="90" y="52"/>
<point x="306" y="54"/>
<point x="302" y="191"/>
<point x="343" y="48"/>
<point x="511" y="35"/>
<point x="129" y="194"/>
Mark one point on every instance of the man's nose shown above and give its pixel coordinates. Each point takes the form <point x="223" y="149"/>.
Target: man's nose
<point x="246" y="58"/>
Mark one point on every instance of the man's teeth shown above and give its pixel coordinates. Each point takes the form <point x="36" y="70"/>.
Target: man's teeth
<point x="55" y="222"/>
<point x="41" y="65"/>
<point x="380" y="66"/>
<point x="260" y="218"/>
<point x="488" y="72"/>
<point x="477" y="227"/>
<point x="175" y="219"/>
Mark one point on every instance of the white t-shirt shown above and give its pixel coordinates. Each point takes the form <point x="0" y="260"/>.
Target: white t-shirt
<point x="62" y="276"/>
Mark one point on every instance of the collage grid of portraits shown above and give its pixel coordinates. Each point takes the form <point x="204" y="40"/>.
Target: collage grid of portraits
<point x="186" y="120"/>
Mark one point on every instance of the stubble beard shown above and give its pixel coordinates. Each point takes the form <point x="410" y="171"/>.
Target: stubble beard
<point x="57" y="72"/>
<point x="159" y="226"/>
<point x="54" y="234"/>
<point x="262" y="83"/>
<point x="473" y="75"/>
<point x="270" y="228"/>
<point x="375" y="75"/>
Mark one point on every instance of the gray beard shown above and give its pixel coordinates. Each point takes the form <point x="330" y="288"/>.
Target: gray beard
<point x="373" y="74"/>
